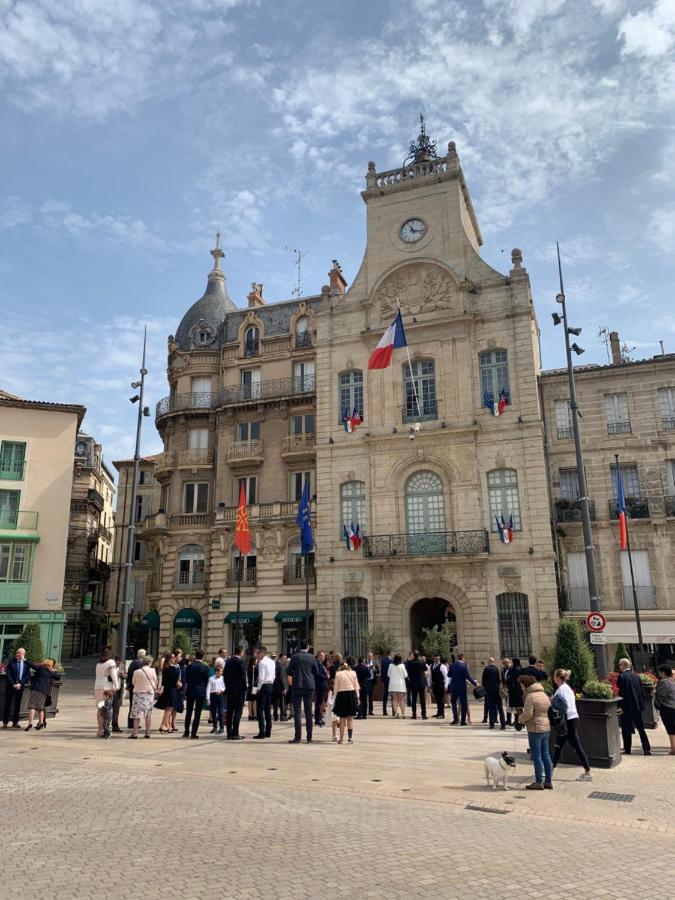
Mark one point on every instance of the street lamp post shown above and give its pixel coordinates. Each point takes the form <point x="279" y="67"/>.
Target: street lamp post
<point x="131" y="525"/>
<point x="600" y="659"/>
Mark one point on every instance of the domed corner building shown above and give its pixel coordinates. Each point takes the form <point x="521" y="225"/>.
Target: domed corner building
<point x="413" y="457"/>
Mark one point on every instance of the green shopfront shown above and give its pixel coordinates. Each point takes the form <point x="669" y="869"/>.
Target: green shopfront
<point x="51" y="630"/>
<point x="293" y="629"/>
<point x="245" y="630"/>
<point x="190" y="621"/>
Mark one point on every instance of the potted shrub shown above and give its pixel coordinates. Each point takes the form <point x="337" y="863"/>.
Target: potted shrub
<point x="650" y="716"/>
<point x="379" y="640"/>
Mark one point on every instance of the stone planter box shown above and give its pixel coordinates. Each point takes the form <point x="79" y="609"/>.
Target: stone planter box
<point x="23" y="714"/>
<point x="599" y="733"/>
<point x="650" y="715"/>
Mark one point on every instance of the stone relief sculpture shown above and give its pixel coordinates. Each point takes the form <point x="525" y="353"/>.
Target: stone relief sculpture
<point x="419" y="288"/>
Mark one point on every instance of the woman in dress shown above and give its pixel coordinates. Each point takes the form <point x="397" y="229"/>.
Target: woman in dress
<point x="664" y="695"/>
<point x="107" y="681"/>
<point x="40" y="685"/>
<point x="145" y="686"/>
<point x="168" y="698"/>
<point x="346" y="698"/>
<point x="180" y="665"/>
<point x="564" y="700"/>
<point x="397" y="674"/>
<point x="514" y="690"/>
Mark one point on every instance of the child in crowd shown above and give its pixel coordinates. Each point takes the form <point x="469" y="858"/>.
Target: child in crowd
<point x="215" y="696"/>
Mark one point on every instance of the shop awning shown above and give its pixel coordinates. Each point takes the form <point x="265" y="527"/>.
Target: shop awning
<point x="292" y="617"/>
<point x="150" y="620"/>
<point x="244" y="618"/>
<point x="187" y="618"/>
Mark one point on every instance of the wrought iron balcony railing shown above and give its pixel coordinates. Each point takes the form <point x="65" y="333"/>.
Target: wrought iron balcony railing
<point x="267" y="390"/>
<point x="636" y="508"/>
<point x="189" y="581"/>
<point x="12" y="470"/>
<point x="95" y="498"/>
<point x="427" y="412"/>
<point x="618" y="428"/>
<point x="186" y="402"/>
<point x="299" y="445"/>
<point x="570" y="510"/>
<point x="296" y="575"/>
<point x="18" y="519"/>
<point x="245" y="451"/>
<point x="249" y="577"/>
<point x="646" y="596"/>
<point x="564" y="432"/>
<point x="303" y="340"/>
<point x="668" y="423"/>
<point x="432" y="543"/>
<point x="252" y="348"/>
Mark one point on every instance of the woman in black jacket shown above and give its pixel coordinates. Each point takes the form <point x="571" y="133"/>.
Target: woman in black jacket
<point x="168" y="699"/>
<point x="514" y="691"/>
<point x="40" y="685"/>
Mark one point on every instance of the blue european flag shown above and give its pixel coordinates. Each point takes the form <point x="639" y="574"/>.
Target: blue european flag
<point x="304" y="522"/>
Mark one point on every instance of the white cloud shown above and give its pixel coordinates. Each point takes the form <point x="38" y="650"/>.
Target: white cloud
<point x="661" y="228"/>
<point x="650" y="32"/>
<point x="14" y="211"/>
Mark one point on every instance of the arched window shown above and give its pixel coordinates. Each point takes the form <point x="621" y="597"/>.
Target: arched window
<point x="247" y="565"/>
<point x="425" y="514"/>
<point x="503" y="496"/>
<point x="303" y="336"/>
<point x="298" y="565"/>
<point x="353" y="505"/>
<point x="252" y="341"/>
<point x="513" y="621"/>
<point x="190" y="566"/>
<point x="354" y="626"/>
<point x="494" y="376"/>
<point x="419" y="380"/>
<point x="351" y="394"/>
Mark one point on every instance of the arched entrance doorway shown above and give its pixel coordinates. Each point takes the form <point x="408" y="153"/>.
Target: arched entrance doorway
<point x="190" y="621"/>
<point x="428" y="612"/>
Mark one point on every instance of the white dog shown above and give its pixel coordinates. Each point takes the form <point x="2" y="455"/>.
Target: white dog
<point x="499" y="770"/>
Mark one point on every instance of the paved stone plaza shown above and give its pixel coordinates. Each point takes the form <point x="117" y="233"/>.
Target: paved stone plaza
<point x="402" y="813"/>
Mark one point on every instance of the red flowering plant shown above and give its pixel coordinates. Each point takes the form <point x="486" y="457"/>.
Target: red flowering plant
<point x="613" y="678"/>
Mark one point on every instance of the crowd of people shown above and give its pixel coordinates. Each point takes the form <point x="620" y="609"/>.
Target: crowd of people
<point x="327" y="689"/>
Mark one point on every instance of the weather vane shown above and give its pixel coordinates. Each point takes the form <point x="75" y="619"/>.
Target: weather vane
<point x="423" y="149"/>
<point x="299" y="256"/>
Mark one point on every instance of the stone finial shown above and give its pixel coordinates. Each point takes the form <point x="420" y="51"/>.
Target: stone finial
<point x="452" y="149"/>
<point x="517" y="258"/>
<point x="338" y="282"/>
<point x="371" y="166"/>
<point x="217" y="253"/>
<point x="255" y="298"/>
<point x="325" y="290"/>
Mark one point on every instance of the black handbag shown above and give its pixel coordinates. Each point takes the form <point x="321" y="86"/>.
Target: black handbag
<point x="48" y="700"/>
<point x="479" y="693"/>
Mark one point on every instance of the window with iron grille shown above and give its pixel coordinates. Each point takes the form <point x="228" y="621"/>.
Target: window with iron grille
<point x="252" y="341"/>
<point x="351" y="393"/>
<point x="630" y="478"/>
<point x="420" y="388"/>
<point x="191" y="564"/>
<point x="667" y="407"/>
<point x="618" y="418"/>
<point x="494" y="375"/>
<point x="513" y="619"/>
<point x="503" y="496"/>
<point x="353" y="505"/>
<point x="563" y="420"/>
<point x="569" y="484"/>
<point x="354" y="626"/>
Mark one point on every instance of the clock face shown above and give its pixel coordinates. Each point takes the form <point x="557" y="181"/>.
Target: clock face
<point x="412" y="231"/>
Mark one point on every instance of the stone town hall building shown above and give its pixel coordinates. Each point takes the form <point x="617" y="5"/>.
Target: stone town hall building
<point x="258" y="395"/>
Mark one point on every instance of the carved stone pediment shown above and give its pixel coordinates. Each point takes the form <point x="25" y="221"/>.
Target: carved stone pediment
<point x="418" y="287"/>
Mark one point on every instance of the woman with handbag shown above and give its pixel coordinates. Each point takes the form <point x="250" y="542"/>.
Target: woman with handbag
<point x="145" y="686"/>
<point x="564" y="701"/>
<point x="38" y="699"/>
<point x="107" y="680"/>
<point x="168" y="698"/>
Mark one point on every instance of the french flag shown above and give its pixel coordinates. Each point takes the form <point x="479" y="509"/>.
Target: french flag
<point x="505" y="530"/>
<point x="621" y="510"/>
<point x="351" y="422"/>
<point x="393" y="337"/>
<point x="496" y="408"/>
<point x="352" y="537"/>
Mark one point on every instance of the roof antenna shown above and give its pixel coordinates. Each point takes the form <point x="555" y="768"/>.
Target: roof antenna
<point x="604" y="334"/>
<point x="299" y="256"/>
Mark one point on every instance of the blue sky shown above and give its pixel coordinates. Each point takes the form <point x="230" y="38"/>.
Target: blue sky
<point x="128" y="131"/>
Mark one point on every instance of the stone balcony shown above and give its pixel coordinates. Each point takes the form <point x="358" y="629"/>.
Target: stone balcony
<point x="244" y="454"/>
<point x="277" y="510"/>
<point x="298" y="449"/>
<point x="434" y="543"/>
<point x="182" y="459"/>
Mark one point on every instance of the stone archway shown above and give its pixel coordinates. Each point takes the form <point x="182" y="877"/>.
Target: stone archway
<point x="436" y="589"/>
<point x="428" y="612"/>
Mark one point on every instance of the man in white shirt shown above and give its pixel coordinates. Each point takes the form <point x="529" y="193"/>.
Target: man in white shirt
<point x="266" y="674"/>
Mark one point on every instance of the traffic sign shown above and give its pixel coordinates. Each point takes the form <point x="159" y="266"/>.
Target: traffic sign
<point x="595" y="621"/>
<point x="598" y="637"/>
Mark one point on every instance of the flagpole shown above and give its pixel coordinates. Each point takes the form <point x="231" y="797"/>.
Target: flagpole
<point x="306" y="561"/>
<point x="636" y="605"/>
<point x="237" y="629"/>
<point x="412" y="379"/>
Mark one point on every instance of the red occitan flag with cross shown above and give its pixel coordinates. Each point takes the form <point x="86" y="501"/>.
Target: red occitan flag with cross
<point x="242" y="537"/>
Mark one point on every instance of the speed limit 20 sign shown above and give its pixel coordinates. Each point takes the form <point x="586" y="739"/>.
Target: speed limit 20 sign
<point x="595" y="621"/>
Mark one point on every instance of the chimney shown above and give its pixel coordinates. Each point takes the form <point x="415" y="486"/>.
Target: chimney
<point x="615" y="347"/>
<point x="255" y="298"/>
<point x="337" y="279"/>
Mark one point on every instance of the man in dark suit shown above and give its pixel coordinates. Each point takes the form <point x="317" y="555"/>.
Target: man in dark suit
<point x="16" y="678"/>
<point x="196" y="680"/>
<point x="632" y="706"/>
<point x="459" y="676"/>
<point x="234" y="676"/>
<point x="385" y="662"/>
<point x="537" y="671"/>
<point x="134" y="666"/>
<point x="492" y="682"/>
<point x="320" y="690"/>
<point x="439" y="677"/>
<point x="303" y="672"/>
<point x="362" y="674"/>
<point x="418" y="683"/>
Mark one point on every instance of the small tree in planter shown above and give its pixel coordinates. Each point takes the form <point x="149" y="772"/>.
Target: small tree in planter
<point x="573" y="652"/>
<point x="438" y="641"/>
<point x="181" y="641"/>
<point x="620" y="653"/>
<point x="380" y="640"/>
<point x="31" y="641"/>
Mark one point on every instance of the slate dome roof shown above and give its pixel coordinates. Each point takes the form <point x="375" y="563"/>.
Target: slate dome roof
<point x="211" y="308"/>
